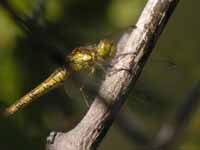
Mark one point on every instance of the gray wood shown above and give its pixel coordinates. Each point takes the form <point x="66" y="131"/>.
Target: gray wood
<point x="93" y="127"/>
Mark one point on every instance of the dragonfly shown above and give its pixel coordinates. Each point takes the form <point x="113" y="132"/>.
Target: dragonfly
<point x="81" y="59"/>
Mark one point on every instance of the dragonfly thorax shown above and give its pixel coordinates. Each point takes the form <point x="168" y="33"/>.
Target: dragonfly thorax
<point x="85" y="58"/>
<point x="105" y="49"/>
<point x="82" y="59"/>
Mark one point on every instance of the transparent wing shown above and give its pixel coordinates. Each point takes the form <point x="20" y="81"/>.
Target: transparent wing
<point x="84" y="85"/>
<point x="89" y="83"/>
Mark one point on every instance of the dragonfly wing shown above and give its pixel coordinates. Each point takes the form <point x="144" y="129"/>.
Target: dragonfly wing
<point x="83" y="82"/>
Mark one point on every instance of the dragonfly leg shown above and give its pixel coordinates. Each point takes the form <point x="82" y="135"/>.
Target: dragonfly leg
<point x="101" y="67"/>
<point x="51" y="137"/>
<point x="92" y="71"/>
<point x="85" y="98"/>
<point x="118" y="70"/>
<point x="123" y="55"/>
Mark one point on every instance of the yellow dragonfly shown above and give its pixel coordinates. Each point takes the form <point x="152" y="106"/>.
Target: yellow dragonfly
<point x="82" y="59"/>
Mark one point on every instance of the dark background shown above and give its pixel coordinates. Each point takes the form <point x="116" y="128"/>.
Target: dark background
<point x="29" y="55"/>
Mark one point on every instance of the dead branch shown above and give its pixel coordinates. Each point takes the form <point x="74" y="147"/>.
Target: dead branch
<point x="93" y="127"/>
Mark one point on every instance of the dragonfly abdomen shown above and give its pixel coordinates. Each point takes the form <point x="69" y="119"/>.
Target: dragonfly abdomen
<point x="53" y="81"/>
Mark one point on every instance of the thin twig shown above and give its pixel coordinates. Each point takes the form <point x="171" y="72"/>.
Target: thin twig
<point x="170" y="132"/>
<point x="38" y="11"/>
<point x="12" y="12"/>
<point x="36" y="33"/>
<point x="27" y="23"/>
<point x="132" y="129"/>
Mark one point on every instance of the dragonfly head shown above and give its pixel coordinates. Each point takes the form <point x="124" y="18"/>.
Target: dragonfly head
<point x="106" y="49"/>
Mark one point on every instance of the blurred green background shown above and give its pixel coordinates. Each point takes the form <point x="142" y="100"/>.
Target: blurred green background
<point x="28" y="56"/>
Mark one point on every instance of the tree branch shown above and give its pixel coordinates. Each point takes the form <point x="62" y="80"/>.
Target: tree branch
<point x="37" y="35"/>
<point x="132" y="128"/>
<point x="170" y="131"/>
<point x="38" y="12"/>
<point x="18" y="19"/>
<point x="27" y="23"/>
<point x="93" y="127"/>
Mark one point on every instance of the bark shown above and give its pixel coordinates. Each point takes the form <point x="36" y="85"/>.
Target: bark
<point x="129" y="62"/>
